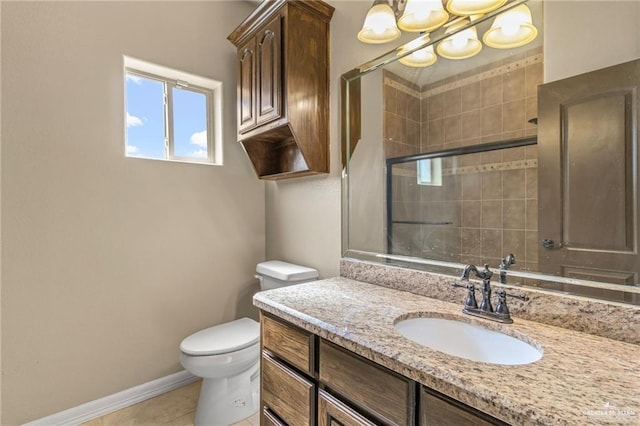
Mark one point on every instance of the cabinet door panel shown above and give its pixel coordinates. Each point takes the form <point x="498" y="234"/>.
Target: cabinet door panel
<point x="386" y="395"/>
<point x="287" y="394"/>
<point x="436" y="411"/>
<point x="332" y="412"/>
<point x="247" y="86"/>
<point x="289" y="343"/>
<point x="269" y="419"/>
<point x="269" y="72"/>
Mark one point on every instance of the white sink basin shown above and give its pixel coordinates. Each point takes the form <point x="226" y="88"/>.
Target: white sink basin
<point x="468" y="341"/>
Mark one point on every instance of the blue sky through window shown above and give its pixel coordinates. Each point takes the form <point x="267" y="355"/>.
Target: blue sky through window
<point x="146" y="120"/>
<point x="189" y="114"/>
<point x="145" y="117"/>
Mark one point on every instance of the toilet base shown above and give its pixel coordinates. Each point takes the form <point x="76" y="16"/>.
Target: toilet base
<point x="228" y="400"/>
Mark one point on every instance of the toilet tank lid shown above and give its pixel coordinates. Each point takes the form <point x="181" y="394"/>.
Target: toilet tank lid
<point x="285" y="271"/>
<point x="223" y="338"/>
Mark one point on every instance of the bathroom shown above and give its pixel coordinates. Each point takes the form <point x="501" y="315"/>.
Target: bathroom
<point x="109" y="262"/>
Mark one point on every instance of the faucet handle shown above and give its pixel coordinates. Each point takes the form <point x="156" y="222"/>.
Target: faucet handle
<point x="470" y="301"/>
<point x="523" y="297"/>
<point x="502" y="301"/>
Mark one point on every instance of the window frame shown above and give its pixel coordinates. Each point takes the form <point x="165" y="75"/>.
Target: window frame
<point x="174" y="79"/>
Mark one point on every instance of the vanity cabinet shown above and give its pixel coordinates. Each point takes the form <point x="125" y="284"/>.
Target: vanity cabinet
<point x="283" y="87"/>
<point x="339" y="387"/>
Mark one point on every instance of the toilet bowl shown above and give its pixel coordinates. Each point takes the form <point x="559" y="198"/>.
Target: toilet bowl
<point x="227" y="356"/>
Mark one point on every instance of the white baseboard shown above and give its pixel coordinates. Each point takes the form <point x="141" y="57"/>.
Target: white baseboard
<point x="117" y="401"/>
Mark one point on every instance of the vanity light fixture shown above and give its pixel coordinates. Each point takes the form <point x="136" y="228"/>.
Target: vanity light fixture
<point x="423" y="16"/>
<point x="421" y="57"/>
<point x="512" y="28"/>
<point x="379" y="25"/>
<point x="462" y="44"/>
<point x="473" y="7"/>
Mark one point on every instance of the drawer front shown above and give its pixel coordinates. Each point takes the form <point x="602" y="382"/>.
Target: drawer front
<point x="290" y="343"/>
<point x="286" y="393"/>
<point x="332" y="412"/>
<point x="269" y="419"/>
<point x="386" y="395"/>
<point x="438" y="410"/>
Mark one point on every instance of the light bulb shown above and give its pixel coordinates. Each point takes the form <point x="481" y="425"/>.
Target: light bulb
<point x="511" y="28"/>
<point x="461" y="45"/>
<point x="422" y="16"/>
<point x="460" y="40"/>
<point x="420" y="58"/>
<point x="420" y="55"/>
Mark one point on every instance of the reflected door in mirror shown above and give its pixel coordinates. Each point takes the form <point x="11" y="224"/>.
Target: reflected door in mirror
<point x="588" y="180"/>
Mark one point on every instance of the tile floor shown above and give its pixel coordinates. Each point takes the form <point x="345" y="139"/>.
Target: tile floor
<point x="175" y="408"/>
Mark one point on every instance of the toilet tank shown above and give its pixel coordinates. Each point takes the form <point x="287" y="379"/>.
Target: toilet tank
<point x="276" y="273"/>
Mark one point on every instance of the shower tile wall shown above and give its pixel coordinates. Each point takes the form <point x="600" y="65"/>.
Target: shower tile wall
<point x="402" y="116"/>
<point x="486" y="206"/>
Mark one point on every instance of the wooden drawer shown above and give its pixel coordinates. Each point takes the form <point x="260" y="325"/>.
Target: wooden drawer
<point x="288" y="342"/>
<point x="332" y="411"/>
<point x="269" y="419"/>
<point x="290" y="396"/>
<point x="439" y="410"/>
<point x="389" y="397"/>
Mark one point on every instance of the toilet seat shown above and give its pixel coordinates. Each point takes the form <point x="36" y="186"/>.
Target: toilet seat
<point x="221" y="339"/>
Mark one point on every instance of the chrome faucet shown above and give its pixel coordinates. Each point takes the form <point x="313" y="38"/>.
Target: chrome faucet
<point x="505" y="263"/>
<point x="501" y="313"/>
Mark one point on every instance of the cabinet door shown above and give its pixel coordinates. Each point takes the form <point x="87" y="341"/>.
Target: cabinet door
<point x="270" y="419"/>
<point x="247" y="86"/>
<point x="381" y="393"/>
<point x="332" y="412"/>
<point x="438" y="410"/>
<point x="287" y="394"/>
<point x="269" y="72"/>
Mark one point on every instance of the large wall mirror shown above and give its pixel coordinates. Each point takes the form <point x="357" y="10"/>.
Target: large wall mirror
<point x="493" y="160"/>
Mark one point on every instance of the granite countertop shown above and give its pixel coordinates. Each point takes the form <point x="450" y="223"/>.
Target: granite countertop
<point x="581" y="379"/>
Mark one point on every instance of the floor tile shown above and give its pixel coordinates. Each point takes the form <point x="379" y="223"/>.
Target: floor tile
<point x="175" y="408"/>
<point x="159" y="410"/>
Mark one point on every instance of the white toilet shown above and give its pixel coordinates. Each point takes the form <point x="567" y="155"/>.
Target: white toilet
<point x="227" y="356"/>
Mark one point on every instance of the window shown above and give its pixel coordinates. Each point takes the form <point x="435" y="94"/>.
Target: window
<point x="430" y="172"/>
<point x="171" y="115"/>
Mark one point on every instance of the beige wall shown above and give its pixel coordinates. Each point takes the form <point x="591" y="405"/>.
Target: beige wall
<point x="108" y="262"/>
<point x="582" y="36"/>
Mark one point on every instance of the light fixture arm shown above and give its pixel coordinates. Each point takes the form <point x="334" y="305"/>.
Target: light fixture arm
<point x="396" y="5"/>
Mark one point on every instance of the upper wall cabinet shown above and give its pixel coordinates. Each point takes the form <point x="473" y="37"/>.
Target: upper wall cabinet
<point x="283" y="87"/>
